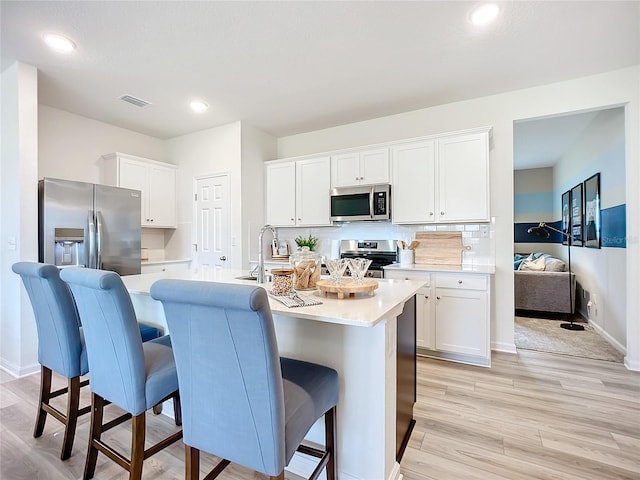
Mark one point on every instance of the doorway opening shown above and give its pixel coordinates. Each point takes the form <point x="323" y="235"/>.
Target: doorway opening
<point x="552" y="156"/>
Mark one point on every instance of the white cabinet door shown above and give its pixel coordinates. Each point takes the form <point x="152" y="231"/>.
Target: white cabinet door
<point x="162" y="196"/>
<point x="313" y="180"/>
<point x="413" y="182"/>
<point x="133" y="174"/>
<point x="425" y="321"/>
<point x="461" y="321"/>
<point x="425" y="326"/>
<point x="463" y="178"/>
<point x="345" y="170"/>
<point x="155" y="180"/>
<point x="374" y="166"/>
<point x="281" y="194"/>
<point x="366" y="167"/>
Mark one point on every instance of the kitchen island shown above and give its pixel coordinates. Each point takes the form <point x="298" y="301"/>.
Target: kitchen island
<point x="361" y="337"/>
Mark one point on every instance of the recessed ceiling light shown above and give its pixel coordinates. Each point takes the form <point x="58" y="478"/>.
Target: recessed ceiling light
<point x="198" y="106"/>
<point x="485" y="13"/>
<point x="59" y="43"/>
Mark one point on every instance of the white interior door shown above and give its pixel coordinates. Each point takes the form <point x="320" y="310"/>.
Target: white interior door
<point x="212" y="212"/>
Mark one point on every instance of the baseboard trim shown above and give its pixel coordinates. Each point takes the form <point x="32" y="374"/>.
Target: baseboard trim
<point x="633" y="365"/>
<point x="17" y="371"/>
<point x="504" y="347"/>
<point x="395" y="472"/>
<point x="614" y="343"/>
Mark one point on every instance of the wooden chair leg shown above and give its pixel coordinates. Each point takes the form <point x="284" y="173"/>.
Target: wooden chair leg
<point x="157" y="409"/>
<point x="137" y="446"/>
<point x="73" y="402"/>
<point x="45" y="396"/>
<point x="191" y="463"/>
<point x="177" y="409"/>
<point x="330" y="442"/>
<point x="95" y="431"/>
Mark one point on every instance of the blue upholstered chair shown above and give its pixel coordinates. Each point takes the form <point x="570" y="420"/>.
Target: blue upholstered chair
<point x="60" y="346"/>
<point x="240" y="400"/>
<point x="133" y="375"/>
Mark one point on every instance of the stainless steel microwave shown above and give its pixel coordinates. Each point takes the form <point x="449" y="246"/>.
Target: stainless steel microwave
<point x="351" y="204"/>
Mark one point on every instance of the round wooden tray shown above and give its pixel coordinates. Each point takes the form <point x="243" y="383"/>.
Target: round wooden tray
<point x="348" y="287"/>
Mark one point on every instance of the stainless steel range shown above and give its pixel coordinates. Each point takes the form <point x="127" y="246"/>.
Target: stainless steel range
<point x="380" y="252"/>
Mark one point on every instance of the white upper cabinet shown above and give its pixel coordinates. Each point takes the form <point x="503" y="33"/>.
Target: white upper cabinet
<point x="155" y="180"/>
<point x="442" y="180"/>
<point x="313" y="206"/>
<point x="413" y="182"/>
<point x="281" y="194"/>
<point x="463" y="178"/>
<point x="298" y="192"/>
<point x="364" y="167"/>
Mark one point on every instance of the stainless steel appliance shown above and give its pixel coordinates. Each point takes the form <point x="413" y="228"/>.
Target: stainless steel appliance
<point x="95" y="226"/>
<point x="380" y="252"/>
<point x="361" y="203"/>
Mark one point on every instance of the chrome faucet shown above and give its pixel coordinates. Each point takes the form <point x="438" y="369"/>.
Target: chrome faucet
<point x="260" y="276"/>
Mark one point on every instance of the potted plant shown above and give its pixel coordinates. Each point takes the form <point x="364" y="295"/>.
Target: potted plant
<point x="309" y="241"/>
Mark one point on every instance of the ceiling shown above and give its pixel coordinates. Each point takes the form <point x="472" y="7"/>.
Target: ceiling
<point x="292" y="67"/>
<point x="539" y="143"/>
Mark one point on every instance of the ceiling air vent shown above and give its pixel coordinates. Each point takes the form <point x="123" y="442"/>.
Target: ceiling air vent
<point x="138" y="102"/>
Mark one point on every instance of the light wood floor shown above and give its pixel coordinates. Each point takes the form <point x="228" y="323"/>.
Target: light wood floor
<point x="531" y="416"/>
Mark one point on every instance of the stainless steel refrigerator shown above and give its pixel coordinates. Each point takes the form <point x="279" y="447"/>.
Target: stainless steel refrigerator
<point x="89" y="225"/>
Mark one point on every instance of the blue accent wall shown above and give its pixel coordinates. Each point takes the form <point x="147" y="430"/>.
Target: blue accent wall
<point x="533" y="202"/>
<point x="613" y="232"/>
<point x="614" y="227"/>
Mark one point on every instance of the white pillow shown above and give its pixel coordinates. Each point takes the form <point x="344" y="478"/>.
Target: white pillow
<point x="554" y="265"/>
<point x="533" y="265"/>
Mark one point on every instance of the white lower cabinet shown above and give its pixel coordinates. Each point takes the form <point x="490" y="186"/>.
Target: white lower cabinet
<point x="452" y="315"/>
<point x="165" y="266"/>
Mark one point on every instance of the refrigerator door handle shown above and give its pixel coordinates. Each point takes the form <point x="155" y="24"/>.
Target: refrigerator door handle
<point x="98" y="240"/>
<point x="89" y="250"/>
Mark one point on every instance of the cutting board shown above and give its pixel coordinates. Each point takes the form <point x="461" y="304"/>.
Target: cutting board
<point x="439" y="248"/>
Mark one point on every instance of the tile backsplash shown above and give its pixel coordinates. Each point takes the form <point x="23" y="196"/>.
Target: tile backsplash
<point x="478" y="237"/>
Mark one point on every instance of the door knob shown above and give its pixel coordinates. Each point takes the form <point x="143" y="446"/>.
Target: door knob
<point x="223" y="258"/>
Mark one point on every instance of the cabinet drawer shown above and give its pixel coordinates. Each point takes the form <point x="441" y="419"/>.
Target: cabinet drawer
<point x="408" y="275"/>
<point x="468" y="282"/>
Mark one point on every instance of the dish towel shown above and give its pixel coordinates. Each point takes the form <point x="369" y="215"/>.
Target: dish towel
<point x="297" y="301"/>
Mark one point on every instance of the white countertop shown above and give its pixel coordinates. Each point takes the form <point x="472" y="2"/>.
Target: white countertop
<point x="360" y="310"/>
<point x="420" y="267"/>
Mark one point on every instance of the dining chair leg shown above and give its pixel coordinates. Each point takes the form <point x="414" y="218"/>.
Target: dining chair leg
<point x="73" y="402"/>
<point x="330" y="442"/>
<point x="177" y="409"/>
<point x="191" y="463"/>
<point x="45" y="397"/>
<point x="137" y="446"/>
<point x="95" y="431"/>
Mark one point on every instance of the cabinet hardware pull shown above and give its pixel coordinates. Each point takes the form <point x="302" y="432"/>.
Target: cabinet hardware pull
<point x="431" y="214"/>
<point x="460" y="282"/>
<point x="437" y="298"/>
<point x="441" y="213"/>
<point x="223" y="258"/>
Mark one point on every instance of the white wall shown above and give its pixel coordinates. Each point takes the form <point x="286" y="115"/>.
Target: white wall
<point x="39" y="141"/>
<point x="257" y="146"/>
<point x="19" y="215"/>
<point x="70" y="145"/>
<point x="621" y="87"/>
<point x="235" y="148"/>
<point x="601" y="272"/>
<point x="215" y="150"/>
